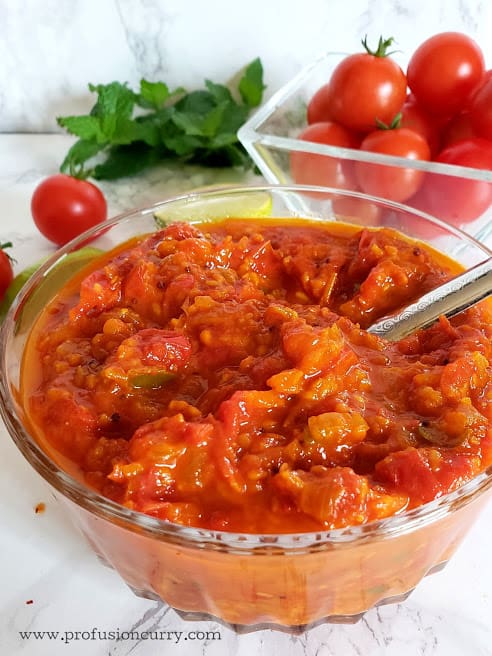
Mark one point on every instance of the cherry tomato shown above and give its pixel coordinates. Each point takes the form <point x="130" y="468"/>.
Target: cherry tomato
<point x="318" y="109"/>
<point x="6" y="271"/>
<point x="444" y="71"/>
<point x="63" y="207"/>
<point x="312" y="169"/>
<point x="365" y="87"/>
<point x="356" y="210"/>
<point x="481" y="109"/>
<point x="458" y="129"/>
<point x="455" y="199"/>
<point x="417" y="119"/>
<point x="392" y="182"/>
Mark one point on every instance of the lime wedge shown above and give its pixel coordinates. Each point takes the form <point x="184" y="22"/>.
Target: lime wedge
<point x="197" y="209"/>
<point x="71" y="264"/>
<point x="53" y="279"/>
<point x="15" y="286"/>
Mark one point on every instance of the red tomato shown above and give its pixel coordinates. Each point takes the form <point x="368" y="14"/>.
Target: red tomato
<point x="365" y="87"/>
<point x="392" y="182"/>
<point x="481" y="109"/>
<point x="63" y="207"/>
<point x="454" y="199"/>
<point x="486" y="77"/>
<point x="311" y="169"/>
<point x="458" y="129"/>
<point x="417" y="119"/>
<point x="6" y="271"/>
<point x="356" y="210"/>
<point x="318" y="109"/>
<point x="444" y="71"/>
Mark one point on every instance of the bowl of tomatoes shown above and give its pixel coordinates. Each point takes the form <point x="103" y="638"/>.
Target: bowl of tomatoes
<point x="201" y="392"/>
<point x="417" y="132"/>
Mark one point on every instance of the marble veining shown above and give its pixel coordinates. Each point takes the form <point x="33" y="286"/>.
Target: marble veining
<point x="50" y="50"/>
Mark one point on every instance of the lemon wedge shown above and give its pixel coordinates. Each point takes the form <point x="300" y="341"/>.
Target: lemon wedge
<point x="198" y="209"/>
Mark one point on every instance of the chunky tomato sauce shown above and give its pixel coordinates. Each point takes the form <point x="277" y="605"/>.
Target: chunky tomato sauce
<point x="220" y="376"/>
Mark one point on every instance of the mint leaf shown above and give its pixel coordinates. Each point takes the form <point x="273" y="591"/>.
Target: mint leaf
<point x="148" y="132"/>
<point x="85" y="127"/>
<point x="200" y="126"/>
<point x="126" y="131"/>
<point x="151" y="126"/>
<point x="223" y="139"/>
<point x="79" y="153"/>
<point x="113" y="109"/>
<point x="203" y="125"/>
<point x="219" y="92"/>
<point x="125" y="160"/>
<point x="189" y="123"/>
<point x="152" y="94"/>
<point x="251" y="85"/>
<point x="233" y="117"/>
<point x="113" y="99"/>
<point x="184" y="145"/>
<point x="195" y="102"/>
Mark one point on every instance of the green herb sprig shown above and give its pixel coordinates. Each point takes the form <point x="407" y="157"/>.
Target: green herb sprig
<point x="131" y="131"/>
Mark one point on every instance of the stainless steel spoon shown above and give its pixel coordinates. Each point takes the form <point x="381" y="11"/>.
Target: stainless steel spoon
<point x="448" y="299"/>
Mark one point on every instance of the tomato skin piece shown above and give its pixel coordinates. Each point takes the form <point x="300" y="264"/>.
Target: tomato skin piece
<point x="481" y="109"/>
<point x="318" y="109"/>
<point x="392" y="182"/>
<point x="409" y="472"/>
<point x="312" y="169"/>
<point x="63" y="207"/>
<point x="363" y="88"/>
<point x="158" y="348"/>
<point x="6" y="273"/>
<point x="459" y="200"/>
<point x="444" y="71"/>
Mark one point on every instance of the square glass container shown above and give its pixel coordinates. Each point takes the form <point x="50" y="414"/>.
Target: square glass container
<point x="459" y="195"/>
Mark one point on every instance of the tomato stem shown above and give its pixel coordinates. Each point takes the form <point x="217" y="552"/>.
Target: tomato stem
<point x="382" y="49"/>
<point x="78" y="171"/>
<point x="394" y="125"/>
<point x="8" y="244"/>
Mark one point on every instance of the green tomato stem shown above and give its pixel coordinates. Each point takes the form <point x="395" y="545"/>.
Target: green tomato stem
<point x="78" y="171"/>
<point x="394" y="125"/>
<point x="8" y="244"/>
<point x="382" y="49"/>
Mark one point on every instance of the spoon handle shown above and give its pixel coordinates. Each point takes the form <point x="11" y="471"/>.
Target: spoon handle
<point x="448" y="299"/>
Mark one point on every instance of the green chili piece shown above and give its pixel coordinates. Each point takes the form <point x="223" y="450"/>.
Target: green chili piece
<point x="151" y="381"/>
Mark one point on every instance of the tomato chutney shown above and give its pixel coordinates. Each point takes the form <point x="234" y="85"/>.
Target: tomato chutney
<point x="220" y="375"/>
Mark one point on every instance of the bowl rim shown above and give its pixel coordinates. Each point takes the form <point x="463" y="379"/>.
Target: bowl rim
<point x="104" y="508"/>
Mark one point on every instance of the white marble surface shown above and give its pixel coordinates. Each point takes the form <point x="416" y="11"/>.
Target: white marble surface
<point x="43" y="559"/>
<point x="51" y="49"/>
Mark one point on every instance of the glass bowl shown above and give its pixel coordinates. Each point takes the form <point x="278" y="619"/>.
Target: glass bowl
<point x="459" y="195"/>
<point x="248" y="581"/>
